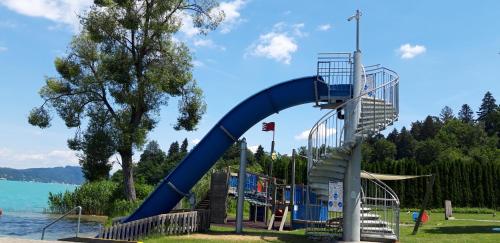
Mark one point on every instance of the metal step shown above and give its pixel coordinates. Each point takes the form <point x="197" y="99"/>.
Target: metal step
<point x="373" y="223"/>
<point x="375" y="230"/>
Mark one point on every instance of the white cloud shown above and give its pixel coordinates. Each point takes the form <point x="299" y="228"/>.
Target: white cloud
<point x="208" y="43"/>
<point x="407" y="51"/>
<point x="23" y="159"/>
<point x="253" y="148"/>
<point x="195" y="141"/>
<point x="232" y="14"/>
<point x="303" y="135"/>
<point x="279" y="44"/>
<point x="322" y="131"/>
<point x="324" y="27"/>
<point x="59" y="11"/>
<point x="3" y="48"/>
<point x="187" y="26"/>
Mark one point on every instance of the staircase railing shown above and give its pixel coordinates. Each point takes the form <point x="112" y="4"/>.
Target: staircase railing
<point x="379" y="100"/>
<point x="380" y="208"/>
<point x="79" y="208"/>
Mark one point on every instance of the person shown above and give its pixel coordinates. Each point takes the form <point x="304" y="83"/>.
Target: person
<point x="1" y="212"/>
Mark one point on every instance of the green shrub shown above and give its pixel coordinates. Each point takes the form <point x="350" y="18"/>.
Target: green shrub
<point x="98" y="198"/>
<point x="123" y="207"/>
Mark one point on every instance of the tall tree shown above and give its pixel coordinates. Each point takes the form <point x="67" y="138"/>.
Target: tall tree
<point x="259" y="154"/>
<point x="430" y="127"/>
<point x="184" y="146"/>
<point x="126" y="63"/>
<point x="446" y="114"/>
<point x="488" y="106"/>
<point x="151" y="165"/>
<point x="466" y="114"/>
<point x="393" y="135"/>
<point x="173" y="150"/>
<point x="405" y="144"/>
<point x="97" y="147"/>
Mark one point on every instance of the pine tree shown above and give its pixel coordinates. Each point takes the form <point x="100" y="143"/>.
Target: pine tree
<point x="259" y="154"/>
<point x="184" y="146"/>
<point x="405" y="144"/>
<point x="446" y="114"/>
<point x="466" y="114"/>
<point x="487" y="106"/>
<point x="393" y="136"/>
<point x="173" y="150"/>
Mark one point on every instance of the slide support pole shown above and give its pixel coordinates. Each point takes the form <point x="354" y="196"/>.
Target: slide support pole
<point x="241" y="186"/>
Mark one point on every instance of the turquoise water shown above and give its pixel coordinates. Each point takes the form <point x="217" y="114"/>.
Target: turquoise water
<point x="21" y="196"/>
<point x="23" y="203"/>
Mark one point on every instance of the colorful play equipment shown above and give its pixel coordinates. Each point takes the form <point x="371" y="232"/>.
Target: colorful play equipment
<point x="363" y="100"/>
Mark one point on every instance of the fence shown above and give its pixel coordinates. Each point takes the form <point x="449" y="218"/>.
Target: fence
<point x="164" y="224"/>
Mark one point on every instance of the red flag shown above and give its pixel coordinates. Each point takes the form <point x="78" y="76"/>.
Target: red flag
<point x="268" y="126"/>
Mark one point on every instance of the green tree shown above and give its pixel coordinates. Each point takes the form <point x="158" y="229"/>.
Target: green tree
<point x="184" y="146"/>
<point x="259" y="154"/>
<point x="383" y="150"/>
<point x="151" y="166"/>
<point x="97" y="149"/>
<point x="488" y="106"/>
<point x="405" y="144"/>
<point x="446" y="114"/>
<point x="125" y="63"/>
<point x="173" y="150"/>
<point x="466" y="114"/>
<point x="492" y="123"/>
<point x="430" y="127"/>
<point x="428" y="151"/>
<point x="97" y="146"/>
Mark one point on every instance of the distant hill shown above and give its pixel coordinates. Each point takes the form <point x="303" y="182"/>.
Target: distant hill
<point x="68" y="174"/>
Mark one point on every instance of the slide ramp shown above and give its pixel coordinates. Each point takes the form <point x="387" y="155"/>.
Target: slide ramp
<point x="234" y="124"/>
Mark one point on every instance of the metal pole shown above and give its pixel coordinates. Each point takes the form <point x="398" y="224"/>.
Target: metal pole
<point x="241" y="186"/>
<point x="292" y="193"/>
<point x="78" y="225"/>
<point x="352" y="177"/>
<point x="272" y="161"/>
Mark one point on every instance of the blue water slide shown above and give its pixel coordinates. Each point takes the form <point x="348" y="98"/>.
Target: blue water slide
<point x="234" y="124"/>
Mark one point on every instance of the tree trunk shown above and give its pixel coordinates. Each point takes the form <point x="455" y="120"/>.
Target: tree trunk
<point x="128" y="172"/>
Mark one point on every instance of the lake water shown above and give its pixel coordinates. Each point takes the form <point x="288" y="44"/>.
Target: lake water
<point x="23" y="203"/>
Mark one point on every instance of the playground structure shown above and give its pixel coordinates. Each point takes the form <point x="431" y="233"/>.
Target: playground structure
<point x="362" y="101"/>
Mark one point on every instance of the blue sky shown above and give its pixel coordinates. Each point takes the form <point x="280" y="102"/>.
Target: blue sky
<point x="446" y="53"/>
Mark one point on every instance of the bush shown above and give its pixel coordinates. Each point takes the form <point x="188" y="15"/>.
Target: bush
<point x="98" y="198"/>
<point x="123" y="207"/>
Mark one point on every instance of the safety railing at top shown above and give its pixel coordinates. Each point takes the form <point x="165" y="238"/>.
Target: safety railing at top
<point x="380" y="208"/>
<point x="379" y="100"/>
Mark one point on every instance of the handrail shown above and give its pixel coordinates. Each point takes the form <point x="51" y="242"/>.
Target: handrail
<point x="356" y="99"/>
<point x="64" y="215"/>
<point x="384" y="186"/>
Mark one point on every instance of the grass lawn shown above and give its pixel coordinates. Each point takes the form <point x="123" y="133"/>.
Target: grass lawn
<point x="465" y="228"/>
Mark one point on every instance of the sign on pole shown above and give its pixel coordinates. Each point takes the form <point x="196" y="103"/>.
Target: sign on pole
<point x="335" y="196"/>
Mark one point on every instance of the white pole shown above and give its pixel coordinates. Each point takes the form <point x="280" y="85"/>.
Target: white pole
<point x="241" y="186"/>
<point x="352" y="180"/>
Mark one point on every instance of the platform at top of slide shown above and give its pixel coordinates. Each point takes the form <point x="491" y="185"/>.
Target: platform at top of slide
<point x="234" y="124"/>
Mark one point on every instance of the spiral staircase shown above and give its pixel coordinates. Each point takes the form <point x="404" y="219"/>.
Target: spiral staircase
<point x="330" y="152"/>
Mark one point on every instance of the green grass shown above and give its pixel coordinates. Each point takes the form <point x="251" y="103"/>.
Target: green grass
<point x="464" y="229"/>
<point x="440" y="230"/>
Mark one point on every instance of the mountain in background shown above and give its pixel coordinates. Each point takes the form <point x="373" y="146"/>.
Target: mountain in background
<point x="67" y="175"/>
